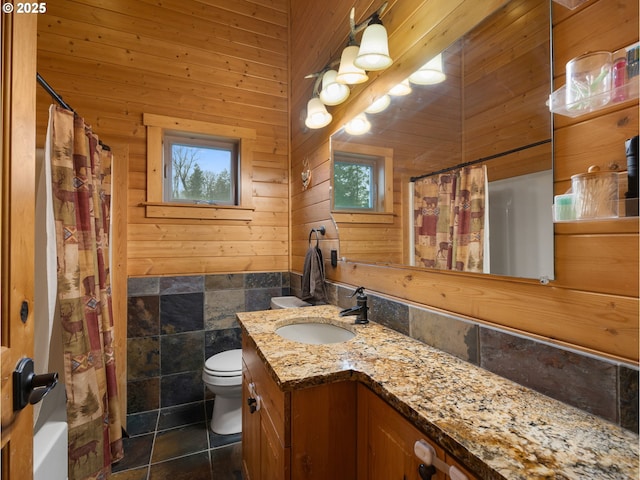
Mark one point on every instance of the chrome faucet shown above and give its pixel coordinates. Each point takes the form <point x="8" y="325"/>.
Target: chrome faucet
<point x="360" y="309"/>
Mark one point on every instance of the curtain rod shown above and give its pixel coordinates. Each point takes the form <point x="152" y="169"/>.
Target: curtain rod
<point x="43" y="83"/>
<point x="480" y="160"/>
<point x="53" y="93"/>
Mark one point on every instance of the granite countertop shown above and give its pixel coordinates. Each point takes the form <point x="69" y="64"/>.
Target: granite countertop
<point x="499" y="429"/>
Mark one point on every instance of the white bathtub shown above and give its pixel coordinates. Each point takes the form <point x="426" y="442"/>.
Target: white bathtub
<point x="50" y="438"/>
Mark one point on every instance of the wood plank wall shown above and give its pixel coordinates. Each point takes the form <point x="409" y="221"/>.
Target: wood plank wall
<point x="207" y="60"/>
<point x="593" y="303"/>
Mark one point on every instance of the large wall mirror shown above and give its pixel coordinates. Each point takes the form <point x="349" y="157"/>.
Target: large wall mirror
<point x="486" y="116"/>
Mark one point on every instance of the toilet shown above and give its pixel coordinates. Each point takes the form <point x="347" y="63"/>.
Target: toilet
<point x="288" y="302"/>
<point x="222" y="374"/>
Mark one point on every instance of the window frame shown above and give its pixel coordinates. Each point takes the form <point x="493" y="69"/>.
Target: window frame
<point x="371" y="161"/>
<point x="383" y="211"/>
<point x="157" y="207"/>
<point x="171" y="138"/>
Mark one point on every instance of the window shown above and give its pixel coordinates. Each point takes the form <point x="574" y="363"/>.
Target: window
<point x="198" y="169"/>
<point x="362" y="183"/>
<point x="355" y="181"/>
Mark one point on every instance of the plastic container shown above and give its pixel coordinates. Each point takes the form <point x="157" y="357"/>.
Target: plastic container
<point x="564" y="207"/>
<point x="589" y="80"/>
<point x="595" y="194"/>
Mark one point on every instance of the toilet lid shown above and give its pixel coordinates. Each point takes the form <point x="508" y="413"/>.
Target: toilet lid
<point x="227" y="363"/>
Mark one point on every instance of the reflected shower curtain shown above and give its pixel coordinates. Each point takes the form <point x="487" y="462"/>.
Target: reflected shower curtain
<point x="80" y="180"/>
<point x="448" y="216"/>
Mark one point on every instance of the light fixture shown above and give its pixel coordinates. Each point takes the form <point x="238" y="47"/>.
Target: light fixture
<point x="374" y="47"/>
<point x="401" y="89"/>
<point x="379" y="105"/>
<point x="358" y="125"/>
<point x="333" y="93"/>
<point x="317" y="115"/>
<point x="372" y="55"/>
<point x="348" y="73"/>
<point x="430" y="73"/>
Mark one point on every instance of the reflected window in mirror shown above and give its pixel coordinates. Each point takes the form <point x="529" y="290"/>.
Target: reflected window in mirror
<point x="355" y="179"/>
<point x="362" y="178"/>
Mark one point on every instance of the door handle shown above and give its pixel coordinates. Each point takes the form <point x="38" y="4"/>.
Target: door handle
<point x="29" y="388"/>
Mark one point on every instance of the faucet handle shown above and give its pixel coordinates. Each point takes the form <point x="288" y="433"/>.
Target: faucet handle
<point x="358" y="291"/>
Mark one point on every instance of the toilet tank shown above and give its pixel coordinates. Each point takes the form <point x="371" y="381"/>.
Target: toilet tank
<point x="288" y="302"/>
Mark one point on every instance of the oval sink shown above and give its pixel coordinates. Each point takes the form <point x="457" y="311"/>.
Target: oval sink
<point x="314" y="333"/>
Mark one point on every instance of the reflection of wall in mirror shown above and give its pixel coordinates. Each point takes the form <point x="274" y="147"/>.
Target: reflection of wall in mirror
<point x="521" y="230"/>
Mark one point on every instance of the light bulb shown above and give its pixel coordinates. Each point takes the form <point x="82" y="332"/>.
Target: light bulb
<point x="379" y="105"/>
<point x="374" y="49"/>
<point x="430" y="73"/>
<point x="333" y="93"/>
<point x="348" y="73"/>
<point x="359" y="125"/>
<point x="401" y="89"/>
<point x="317" y="115"/>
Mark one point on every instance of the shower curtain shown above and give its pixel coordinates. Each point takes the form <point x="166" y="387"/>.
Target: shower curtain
<point x="449" y="220"/>
<point x="81" y="194"/>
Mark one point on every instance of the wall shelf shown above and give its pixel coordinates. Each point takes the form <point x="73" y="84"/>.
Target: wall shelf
<point x="557" y="100"/>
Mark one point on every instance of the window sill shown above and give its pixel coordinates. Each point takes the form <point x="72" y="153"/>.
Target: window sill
<point x="196" y="211"/>
<point x="362" y="217"/>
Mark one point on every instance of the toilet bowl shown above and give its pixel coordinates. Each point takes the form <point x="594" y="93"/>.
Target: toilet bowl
<point x="222" y="374"/>
<point x="288" y="302"/>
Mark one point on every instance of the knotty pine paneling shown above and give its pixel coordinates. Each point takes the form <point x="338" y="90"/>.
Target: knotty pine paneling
<point x="583" y="309"/>
<point x="207" y="60"/>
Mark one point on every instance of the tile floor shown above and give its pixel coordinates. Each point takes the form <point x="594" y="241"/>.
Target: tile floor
<point x="175" y="444"/>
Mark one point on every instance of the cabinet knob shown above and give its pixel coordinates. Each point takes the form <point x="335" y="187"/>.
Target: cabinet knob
<point x="253" y="404"/>
<point x="426" y="472"/>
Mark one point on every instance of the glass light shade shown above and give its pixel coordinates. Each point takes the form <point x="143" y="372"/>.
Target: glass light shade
<point x="374" y="49"/>
<point x="348" y="73"/>
<point x="333" y="93"/>
<point x="359" y="125"/>
<point x="401" y="89"/>
<point x="317" y="115"/>
<point x="379" y="105"/>
<point x="430" y="73"/>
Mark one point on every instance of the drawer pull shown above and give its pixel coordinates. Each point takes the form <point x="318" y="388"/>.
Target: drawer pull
<point x="254" y="399"/>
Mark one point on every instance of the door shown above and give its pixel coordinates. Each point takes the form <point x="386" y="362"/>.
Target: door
<point x="17" y="201"/>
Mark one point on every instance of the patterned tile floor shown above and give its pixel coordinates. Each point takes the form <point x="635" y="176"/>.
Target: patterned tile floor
<point x="175" y="444"/>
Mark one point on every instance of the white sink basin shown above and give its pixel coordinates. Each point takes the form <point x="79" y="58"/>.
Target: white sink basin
<point x="314" y="332"/>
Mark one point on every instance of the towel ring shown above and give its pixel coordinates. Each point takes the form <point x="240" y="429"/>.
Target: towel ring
<point x="322" y="230"/>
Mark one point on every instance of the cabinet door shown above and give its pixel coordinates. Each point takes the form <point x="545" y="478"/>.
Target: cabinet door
<point x="250" y="434"/>
<point x="385" y="442"/>
<point x="274" y="458"/>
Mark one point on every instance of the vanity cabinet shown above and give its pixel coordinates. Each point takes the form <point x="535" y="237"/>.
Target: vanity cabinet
<point x="386" y="443"/>
<point x="341" y="431"/>
<point x="307" y="434"/>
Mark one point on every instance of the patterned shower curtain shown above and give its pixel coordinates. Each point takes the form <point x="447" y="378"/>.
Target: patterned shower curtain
<point x="449" y="211"/>
<point x="81" y="188"/>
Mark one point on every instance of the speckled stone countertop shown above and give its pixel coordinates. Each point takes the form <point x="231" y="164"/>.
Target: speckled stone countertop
<point x="499" y="429"/>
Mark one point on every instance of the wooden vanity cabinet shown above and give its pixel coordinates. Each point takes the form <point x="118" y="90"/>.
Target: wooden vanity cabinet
<point x="386" y="440"/>
<point x="341" y="431"/>
<point x="307" y="434"/>
<point x="265" y="440"/>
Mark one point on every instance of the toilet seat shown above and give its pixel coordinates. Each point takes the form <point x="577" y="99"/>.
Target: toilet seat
<point x="224" y="368"/>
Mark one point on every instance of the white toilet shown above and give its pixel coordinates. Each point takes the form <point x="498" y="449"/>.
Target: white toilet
<point x="222" y="374"/>
<point x="288" y="302"/>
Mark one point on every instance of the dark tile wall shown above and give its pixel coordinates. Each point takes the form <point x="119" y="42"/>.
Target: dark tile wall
<point x="597" y="385"/>
<point x="176" y="323"/>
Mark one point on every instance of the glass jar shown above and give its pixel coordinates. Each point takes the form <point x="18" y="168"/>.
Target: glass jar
<point x="589" y="81"/>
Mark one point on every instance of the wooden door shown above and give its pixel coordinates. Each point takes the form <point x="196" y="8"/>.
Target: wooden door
<point x="17" y="203"/>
